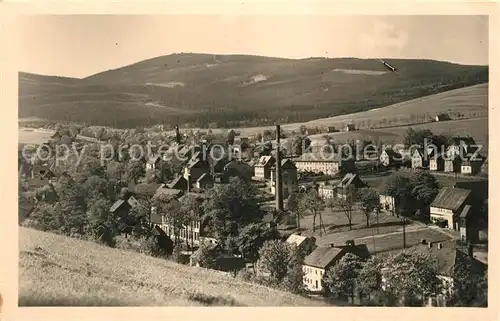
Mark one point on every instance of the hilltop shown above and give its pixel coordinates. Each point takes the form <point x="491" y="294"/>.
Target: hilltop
<point x="236" y="90"/>
<point x="55" y="270"/>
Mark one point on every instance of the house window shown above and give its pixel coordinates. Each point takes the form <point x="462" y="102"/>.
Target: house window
<point x="316" y="272"/>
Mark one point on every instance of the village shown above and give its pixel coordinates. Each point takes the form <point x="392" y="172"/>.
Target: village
<point x="434" y="202"/>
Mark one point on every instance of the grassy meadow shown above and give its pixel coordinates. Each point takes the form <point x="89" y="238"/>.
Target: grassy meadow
<point x="56" y="270"/>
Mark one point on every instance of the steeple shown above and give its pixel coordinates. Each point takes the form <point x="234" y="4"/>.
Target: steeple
<point x="177" y="135"/>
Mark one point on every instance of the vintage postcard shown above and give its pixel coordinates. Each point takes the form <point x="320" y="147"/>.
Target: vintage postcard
<point x="249" y="155"/>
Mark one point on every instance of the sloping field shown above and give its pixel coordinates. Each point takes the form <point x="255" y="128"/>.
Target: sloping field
<point x="59" y="271"/>
<point x="467" y="100"/>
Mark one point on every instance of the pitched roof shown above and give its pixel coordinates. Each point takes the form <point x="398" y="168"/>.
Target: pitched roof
<point x="167" y="192"/>
<point x="321" y="257"/>
<point x="465" y="211"/>
<point x="296" y="239"/>
<point x="466" y="140"/>
<point x="175" y="181"/>
<point x="349" y="179"/>
<point x="450" y="198"/>
<point x="317" y="157"/>
<point x="204" y="176"/>
<point x="116" y="205"/>
<point x="153" y="159"/>
<point x="264" y="160"/>
<point x="449" y="257"/>
<point x="392" y="153"/>
<point x="284" y="162"/>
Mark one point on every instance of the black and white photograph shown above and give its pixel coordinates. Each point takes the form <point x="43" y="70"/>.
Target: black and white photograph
<point x="253" y="160"/>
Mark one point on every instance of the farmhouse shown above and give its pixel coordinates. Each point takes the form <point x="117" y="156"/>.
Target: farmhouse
<point x="448" y="205"/>
<point x="263" y="167"/>
<point x="322" y="258"/>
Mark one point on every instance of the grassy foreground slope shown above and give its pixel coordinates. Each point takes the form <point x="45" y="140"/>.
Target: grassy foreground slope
<point x="56" y="270"/>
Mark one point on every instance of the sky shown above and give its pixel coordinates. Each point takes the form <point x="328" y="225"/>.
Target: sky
<point x="82" y="45"/>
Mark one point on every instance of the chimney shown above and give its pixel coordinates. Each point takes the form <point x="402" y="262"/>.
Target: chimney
<point x="279" y="184"/>
<point x="440" y="245"/>
<point x="430" y="244"/>
<point x="177" y="135"/>
<point x="331" y="245"/>
<point x="470" y="250"/>
<point x="349" y="242"/>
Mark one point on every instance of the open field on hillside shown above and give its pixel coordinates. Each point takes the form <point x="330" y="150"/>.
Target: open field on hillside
<point x="33" y="136"/>
<point x="469" y="100"/>
<point x="56" y="271"/>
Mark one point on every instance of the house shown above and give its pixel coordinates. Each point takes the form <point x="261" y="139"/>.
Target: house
<point x="192" y="233"/>
<point x="331" y="129"/>
<point x="436" y="162"/>
<point x="322" y="258"/>
<point x="448" y="258"/>
<point x="122" y="207"/>
<point x="442" y="117"/>
<point x="262" y="168"/>
<point x="387" y="203"/>
<point x="448" y="205"/>
<point x="389" y="157"/>
<point x="168" y="193"/>
<point x="205" y="181"/>
<point x="347" y="181"/>
<point x="419" y="158"/>
<point x="461" y="146"/>
<point x="350" y="127"/>
<point x="289" y="179"/>
<point x="468" y="225"/>
<point x="194" y="169"/>
<point x="471" y="167"/>
<point x="42" y="172"/>
<point x="453" y="164"/>
<point x="326" y="191"/>
<point x="236" y="168"/>
<point x="178" y="183"/>
<point x="306" y="244"/>
<point x="328" y="165"/>
<point x="153" y="162"/>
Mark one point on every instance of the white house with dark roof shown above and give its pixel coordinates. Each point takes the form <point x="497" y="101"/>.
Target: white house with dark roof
<point x="322" y="258"/>
<point x="448" y="205"/>
<point x="307" y="244"/>
<point x="262" y="169"/>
